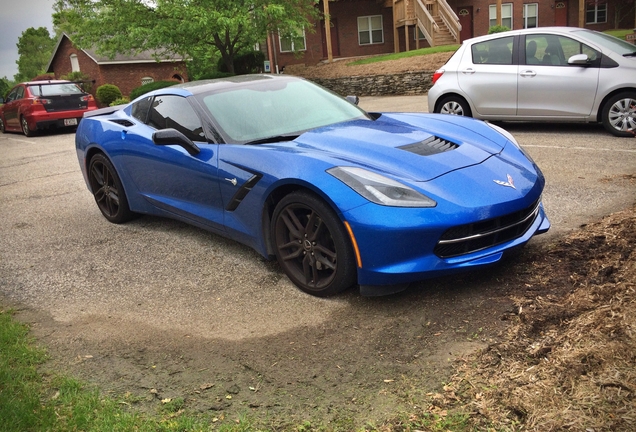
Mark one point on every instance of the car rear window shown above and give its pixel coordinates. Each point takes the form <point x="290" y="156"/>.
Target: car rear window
<point x="54" y="89"/>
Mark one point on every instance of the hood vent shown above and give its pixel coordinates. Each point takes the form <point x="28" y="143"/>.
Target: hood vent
<point x="123" y="122"/>
<point x="430" y="146"/>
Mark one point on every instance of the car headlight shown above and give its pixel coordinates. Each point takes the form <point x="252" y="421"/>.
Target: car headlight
<point x="380" y="189"/>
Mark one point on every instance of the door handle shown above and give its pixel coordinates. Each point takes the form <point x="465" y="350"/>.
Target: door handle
<point x="528" y="73"/>
<point x="468" y="71"/>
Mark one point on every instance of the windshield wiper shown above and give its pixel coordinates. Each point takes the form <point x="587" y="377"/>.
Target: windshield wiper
<point x="273" y="139"/>
<point x="631" y="54"/>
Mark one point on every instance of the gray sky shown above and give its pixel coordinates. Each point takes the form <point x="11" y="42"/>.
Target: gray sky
<point x="15" y="17"/>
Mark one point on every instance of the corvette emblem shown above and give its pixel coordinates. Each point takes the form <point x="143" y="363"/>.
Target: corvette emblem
<point x="509" y="183"/>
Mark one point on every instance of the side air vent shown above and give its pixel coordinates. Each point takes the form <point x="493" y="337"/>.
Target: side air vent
<point x="430" y="146"/>
<point x="123" y="122"/>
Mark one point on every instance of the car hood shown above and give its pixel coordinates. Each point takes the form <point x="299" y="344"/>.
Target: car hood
<point x="419" y="147"/>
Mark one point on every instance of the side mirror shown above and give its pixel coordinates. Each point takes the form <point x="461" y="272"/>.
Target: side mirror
<point x="174" y="137"/>
<point x="579" y="59"/>
<point x="353" y="99"/>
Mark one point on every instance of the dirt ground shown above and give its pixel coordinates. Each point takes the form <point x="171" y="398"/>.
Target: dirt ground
<point x="543" y="342"/>
<point x="340" y="68"/>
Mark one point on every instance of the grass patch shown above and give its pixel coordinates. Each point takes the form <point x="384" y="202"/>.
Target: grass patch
<point x="620" y="33"/>
<point x="406" y="54"/>
<point x="31" y="402"/>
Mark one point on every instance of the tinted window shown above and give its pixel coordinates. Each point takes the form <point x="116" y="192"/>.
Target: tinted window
<point x="496" y="51"/>
<point x="54" y="89"/>
<point x="555" y="50"/>
<point x="140" y="109"/>
<point x="175" y="112"/>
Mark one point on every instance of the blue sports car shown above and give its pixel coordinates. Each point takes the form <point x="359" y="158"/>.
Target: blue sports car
<point x="339" y="196"/>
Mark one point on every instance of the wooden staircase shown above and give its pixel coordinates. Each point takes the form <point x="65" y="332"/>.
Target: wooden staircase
<point x="434" y="18"/>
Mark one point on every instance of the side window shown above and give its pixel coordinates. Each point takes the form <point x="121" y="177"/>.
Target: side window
<point x="140" y="109"/>
<point x="19" y="93"/>
<point x="13" y="95"/>
<point x="553" y="50"/>
<point x="175" y="112"/>
<point x="496" y="51"/>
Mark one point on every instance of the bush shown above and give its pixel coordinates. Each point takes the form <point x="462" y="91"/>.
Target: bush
<point x="245" y="63"/>
<point x="120" y="101"/>
<point x="497" y="29"/>
<point x="150" y="87"/>
<point x="108" y="93"/>
<point x="214" y="75"/>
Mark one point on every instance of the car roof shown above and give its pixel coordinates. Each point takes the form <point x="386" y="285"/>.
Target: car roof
<point x="237" y="81"/>
<point x="45" y="82"/>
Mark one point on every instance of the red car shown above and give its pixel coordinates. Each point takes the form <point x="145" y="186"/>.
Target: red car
<point x="36" y="105"/>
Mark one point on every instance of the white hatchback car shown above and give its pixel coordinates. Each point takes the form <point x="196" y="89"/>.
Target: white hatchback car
<point x="542" y="74"/>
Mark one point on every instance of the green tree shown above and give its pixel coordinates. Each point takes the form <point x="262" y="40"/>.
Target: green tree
<point x="35" y="47"/>
<point x="5" y="86"/>
<point x="191" y="28"/>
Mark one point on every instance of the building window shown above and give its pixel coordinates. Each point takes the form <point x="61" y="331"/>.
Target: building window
<point x="530" y="15"/>
<point x="293" y="42"/>
<point x="147" y="80"/>
<point x="418" y="35"/>
<point x="370" y="30"/>
<point x="74" y="63"/>
<point x="506" y="15"/>
<point x="595" y="11"/>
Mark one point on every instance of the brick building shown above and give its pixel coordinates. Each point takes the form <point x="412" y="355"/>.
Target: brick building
<point x="367" y="27"/>
<point x="126" y="72"/>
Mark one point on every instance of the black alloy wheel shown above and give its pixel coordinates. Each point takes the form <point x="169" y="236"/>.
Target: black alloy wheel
<point x="2" y="128"/>
<point x="107" y="190"/>
<point x="312" y="245"/>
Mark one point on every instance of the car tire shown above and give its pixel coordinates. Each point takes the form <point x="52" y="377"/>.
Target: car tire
<point x="107" y="190"/>
<point x="25" y="127"/>
<point x="454" y="105"/>
<point x="312" y="245"/>
<point x="2" y="128"/>
<point x="619" y="114"/>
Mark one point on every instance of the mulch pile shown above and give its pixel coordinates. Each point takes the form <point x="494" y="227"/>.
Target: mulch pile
<point x="568" y="361"/>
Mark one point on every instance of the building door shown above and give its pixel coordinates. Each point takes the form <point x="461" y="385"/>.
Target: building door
<point x="335" y="48"/>
<point x="466" y="20"/>
<point x="561" y="13"/>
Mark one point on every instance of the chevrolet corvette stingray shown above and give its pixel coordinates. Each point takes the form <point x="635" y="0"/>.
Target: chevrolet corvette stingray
<point x="340" y="197"/>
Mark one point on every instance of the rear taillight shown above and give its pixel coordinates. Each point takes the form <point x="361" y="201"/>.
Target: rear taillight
<point x="41" y="101"/>
<point x="437" y="75"/>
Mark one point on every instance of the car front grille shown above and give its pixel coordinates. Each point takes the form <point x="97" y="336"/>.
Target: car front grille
<point x="465" y="239"/>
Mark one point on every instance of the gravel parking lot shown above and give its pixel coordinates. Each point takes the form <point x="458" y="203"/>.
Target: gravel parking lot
<point x="156" y="304"/>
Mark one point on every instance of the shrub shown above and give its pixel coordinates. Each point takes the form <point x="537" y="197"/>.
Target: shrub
<point x="245" y="63"/>
<point x="107" y="93"/>
<point x="150" y="87"/>
<point x="120" y="101"/>
<point x="497" y="29"/>
<point x="214" y="75"/>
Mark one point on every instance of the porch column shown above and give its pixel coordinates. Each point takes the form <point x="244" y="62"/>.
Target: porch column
<point x="328" y="30"/>
<point x="582" y="13"/>
<point x="499" y="13"/>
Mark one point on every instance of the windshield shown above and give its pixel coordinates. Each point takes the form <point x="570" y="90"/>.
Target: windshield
<point x="273" y="108"/>
<point x="46" y="89"/>
<point x="608" y="42"/>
